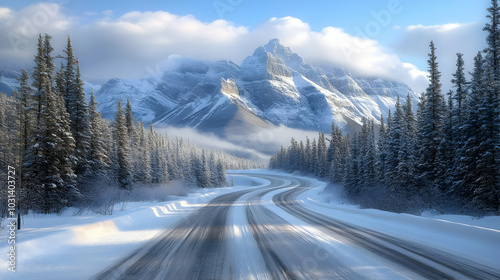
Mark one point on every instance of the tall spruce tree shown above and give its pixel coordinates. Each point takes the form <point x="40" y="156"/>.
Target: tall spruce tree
<point x="80" y="124"/>
<point x="48" y="162"/>
<point x="460" y="98"/>
<point x="98" y="156"/>
<point x="122" y="149"/>
<point x="488" y="194"/>
<point x="407" y="151"/>
<point x="431" y="124"/>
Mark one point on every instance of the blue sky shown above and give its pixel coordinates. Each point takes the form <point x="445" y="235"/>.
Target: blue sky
<point x="318" y="13"/>
<point x="399" y="28"/>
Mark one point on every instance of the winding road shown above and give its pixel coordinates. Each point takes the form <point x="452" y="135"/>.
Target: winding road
<point x="266" y="233"/>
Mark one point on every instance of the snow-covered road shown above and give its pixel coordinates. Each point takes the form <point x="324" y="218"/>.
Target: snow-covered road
<point x="200" y="247"/>
<point x="272" y="226"/>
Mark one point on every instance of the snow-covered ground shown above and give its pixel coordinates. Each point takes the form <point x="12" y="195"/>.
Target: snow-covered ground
<point x="466" y="236"/>
<point x="474" y="238"/>
<point x="77" y="247"/>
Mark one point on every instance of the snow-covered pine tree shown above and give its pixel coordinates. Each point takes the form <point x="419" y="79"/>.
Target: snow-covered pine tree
<point x="466" y="171"/>
<point x="370" y="156"/>
<point x="460" y="97"/>
<point x="220" y="173"/>
<point x="446" y="150"/>
<point x="69" y="77"/>
<point x="394" y="146"/>
<point x="302" y="157"/>
<point x="334" y="155"/>
<point x="432" y="120"/>
<point x="80" y="124"/>
<point x="39" y="70"/>
<point x="293" y="156"/>
<point x="24" y="96"/>
<point x="407" y="151"/>
<point x="322" y="166"/>
<point x="98" y="155"/>
<point x="142" y="165"/>
<point x="121" y="140"/>
<point x="202" y="170"/>
<point x="353" y="170"/>
<point x="307" y="155"/>
<point x="49" y="59"/>
<point x="382" y="152"/>
<point x="488" y="194"/>
<point x="47" y="161"/>
<point x="314" y="157"/>
<point x="9" y="131"/>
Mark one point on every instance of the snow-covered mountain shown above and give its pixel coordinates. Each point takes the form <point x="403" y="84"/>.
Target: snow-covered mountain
<point x="271" y="87"/>
<point x="9" y="80"/>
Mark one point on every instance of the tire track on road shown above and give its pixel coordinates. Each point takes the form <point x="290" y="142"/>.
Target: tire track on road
<point x="427" y="262"/>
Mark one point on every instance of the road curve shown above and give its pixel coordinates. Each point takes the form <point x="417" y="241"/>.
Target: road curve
<point x="202" y="245"/>
<point x="194" y="249"/>
<point x="423" y="260"/>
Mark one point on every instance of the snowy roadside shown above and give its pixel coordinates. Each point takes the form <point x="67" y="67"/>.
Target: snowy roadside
<point x="77" y="247"/>
<point x="471" y="237"/>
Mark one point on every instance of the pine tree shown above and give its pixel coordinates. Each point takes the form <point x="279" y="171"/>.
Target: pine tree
<point x="335" y="155"/>
<point x="307" y="155"/>
<point x="24" y="96"/>
<point x="10" y="129"/>
<point x="49" y="59"/>
<point x="407" y="150"/>
<point x="142" y="163"/>
<point x="203" y="171"/>
<point x="47" y="161"/>
<point x="80" y="124"/>
<point x="98" y="156"/>
<point x="488" y="193"/>
<point x="382" y="152"/>
<point x="322" y="166"/>
<point x="432" y="121"/>
<point x="466" y="172"/>
<point x="394" y="146"/>
<point x="460" y="97"/>
<point x="39" y="71"/>
<point x="122" y="149"/>
<point x="369" y="154"/>
<point x="70" y="86"/>
<point x="353" y="171"/>
<point x="313" y="157"/>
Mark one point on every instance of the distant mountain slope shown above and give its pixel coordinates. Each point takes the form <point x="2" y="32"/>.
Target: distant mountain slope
<point x="272" y="87"/>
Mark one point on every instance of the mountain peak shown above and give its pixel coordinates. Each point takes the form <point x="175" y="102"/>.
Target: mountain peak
<point x="274" y="46"/>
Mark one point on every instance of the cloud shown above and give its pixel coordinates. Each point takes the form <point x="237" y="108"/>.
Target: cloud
<point x="128" y="45"/>
<point x="361" y="56"/>
<point x="449" y="39"/>
<point x="211" y="141"/>
<point x="265" y="139"/>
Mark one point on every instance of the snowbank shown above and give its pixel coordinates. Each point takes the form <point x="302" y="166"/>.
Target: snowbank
<point x="77" y="247"/>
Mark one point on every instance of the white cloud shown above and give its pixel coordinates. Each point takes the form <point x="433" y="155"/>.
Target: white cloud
<point x="265" y="139"/>
<point x="129" y="45"/>
<point x="449" y="39"/>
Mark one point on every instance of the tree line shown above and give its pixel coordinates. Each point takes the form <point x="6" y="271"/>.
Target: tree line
<point x="60" y="144"/>
<point x="444" y="157"/>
